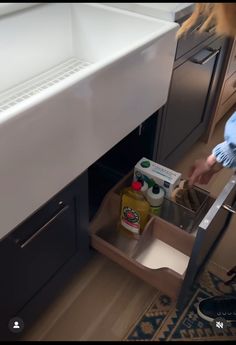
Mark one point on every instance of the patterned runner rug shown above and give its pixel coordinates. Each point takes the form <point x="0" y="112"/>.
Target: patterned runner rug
<point x="162" y="322"/>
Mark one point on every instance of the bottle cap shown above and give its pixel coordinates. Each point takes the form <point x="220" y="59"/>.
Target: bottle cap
<point x="145" y="164"/>
<point x="141" y="180"/>
<point x="136" y="185"/>
<point x="156" y="189"/>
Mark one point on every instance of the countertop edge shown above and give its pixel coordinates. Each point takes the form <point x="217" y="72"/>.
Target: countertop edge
<point x="8" y="8"/>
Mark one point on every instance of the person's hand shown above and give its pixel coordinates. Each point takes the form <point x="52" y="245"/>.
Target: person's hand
<point x="203" y="170"/>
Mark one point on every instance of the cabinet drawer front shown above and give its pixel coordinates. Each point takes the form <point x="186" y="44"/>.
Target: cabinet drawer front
<point x="209" y="232"/>
<point x="33" y="259"/>
<point x="229" y="89"/>
<point x="214" y="221"/>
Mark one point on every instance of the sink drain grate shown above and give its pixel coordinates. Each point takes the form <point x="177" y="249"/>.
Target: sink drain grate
<point x="37" y="84"/>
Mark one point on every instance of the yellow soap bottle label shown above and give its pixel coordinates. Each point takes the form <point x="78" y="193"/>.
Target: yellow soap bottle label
<point x="130" y="219"/>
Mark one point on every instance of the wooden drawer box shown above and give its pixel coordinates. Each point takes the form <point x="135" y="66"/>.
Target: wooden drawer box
<point x="130" y="252"/>
<point x="229" y="89"/>
<point x="230" y="104"/>
<point x="165" y="255"/>
<point x="232" y="62"/>
<point x="225" y="100"/>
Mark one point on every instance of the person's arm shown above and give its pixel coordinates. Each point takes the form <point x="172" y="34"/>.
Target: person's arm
<point x="203" y="170"/>
<point x="223" y="155"/>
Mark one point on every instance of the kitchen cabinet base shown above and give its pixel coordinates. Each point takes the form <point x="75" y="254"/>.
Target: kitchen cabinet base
<point x="37" y="256"/>
<point x="42" y="300"/>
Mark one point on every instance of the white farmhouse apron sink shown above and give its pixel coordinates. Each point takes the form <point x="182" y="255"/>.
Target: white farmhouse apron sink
<point x="76" y="78"/>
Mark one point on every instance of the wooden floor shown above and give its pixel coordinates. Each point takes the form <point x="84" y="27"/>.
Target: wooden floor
<point x="99" y="304"/>
<point x="104" y="300"/>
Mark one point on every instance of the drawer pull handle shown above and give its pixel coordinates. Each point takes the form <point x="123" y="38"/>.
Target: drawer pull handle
<point x="211" y="30"/>
<point x="229" y="208"/>
<point x="207" y="58"/>
<point x="140" y="129"/>
<point x="195" y="29"/>
<point x="40" y="230"/>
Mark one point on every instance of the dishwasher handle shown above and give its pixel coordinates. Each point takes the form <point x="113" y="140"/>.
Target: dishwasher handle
<point x="203" y="61"/>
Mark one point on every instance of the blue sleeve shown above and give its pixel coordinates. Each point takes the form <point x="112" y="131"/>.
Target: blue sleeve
<point x="225" y="152"/>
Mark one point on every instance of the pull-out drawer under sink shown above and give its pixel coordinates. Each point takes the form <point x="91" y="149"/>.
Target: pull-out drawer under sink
<point x="165" y="255"/>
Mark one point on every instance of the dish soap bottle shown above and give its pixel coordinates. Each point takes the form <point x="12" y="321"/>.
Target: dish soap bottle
<point x="155" y="197"/>
<point x="134" y="210"/>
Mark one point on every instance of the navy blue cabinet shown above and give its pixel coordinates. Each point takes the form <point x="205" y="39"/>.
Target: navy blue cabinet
<point x="37" y="255"/>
